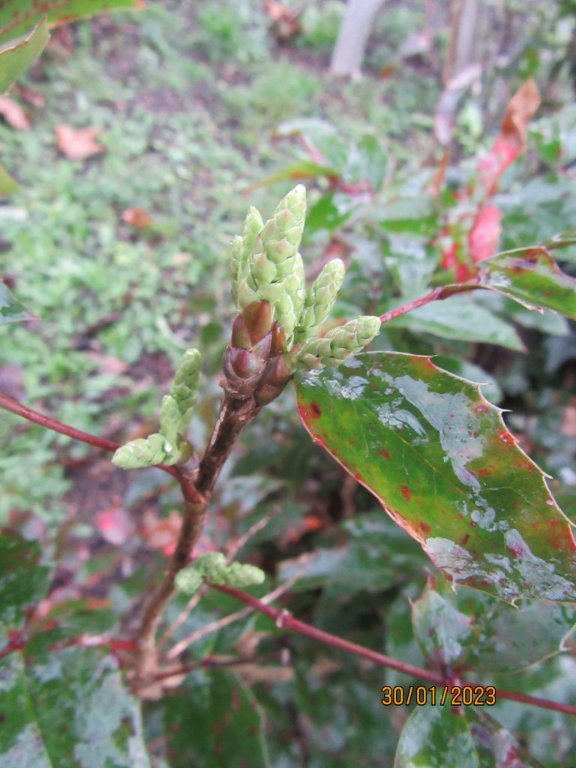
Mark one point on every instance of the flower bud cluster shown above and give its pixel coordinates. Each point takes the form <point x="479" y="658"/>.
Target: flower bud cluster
<point x="212" y="567"/>
<point x="169" y="445"/>
<point x="279" y="328"/>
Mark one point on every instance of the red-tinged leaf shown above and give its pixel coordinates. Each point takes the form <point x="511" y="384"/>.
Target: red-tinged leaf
<point x="14" y="114"/>
<point x="137" y="218"/>
<point x="484" y="236"/>
<point x="18" y="16"/>
<point x="531" y="277"/>
<point x="439" y="458"/>
<point x="31" y="97"/>
<point x="305" y="169"/>
<point x="496" y="746"/>
<point x="512" y="139"/>
<point x="161" y="533"/>
<point x="115" y="525"/>
<point x="78" y="143"/>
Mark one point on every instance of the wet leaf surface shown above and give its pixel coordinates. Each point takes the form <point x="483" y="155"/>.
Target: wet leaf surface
<point x="214" y="722"/>
<point x="533" y="278"/>
<point x="68" y="708"/>
<point x="23" y="581"/>
<point x="468" y="628"/>
<point x="438" y="456"/>
<point x="436" y="736"/>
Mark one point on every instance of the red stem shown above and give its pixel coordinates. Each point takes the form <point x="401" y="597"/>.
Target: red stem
<point x="8" y="404"/>
<point x="436" y="294"/>
<point x="285" y="620"/>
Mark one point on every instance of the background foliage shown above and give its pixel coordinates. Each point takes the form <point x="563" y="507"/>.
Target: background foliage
<point x="117" y="239"/>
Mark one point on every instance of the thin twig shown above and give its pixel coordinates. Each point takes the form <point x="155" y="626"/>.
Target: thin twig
<point x="226" y="620"/>
<point x="8" y="404"/>
<point x="285" y="620"/>
<point x="235" y="547"/>
<point x="209" y="662"/>
<point x="241" y="541"/>
<point x="233" y="417"/>
<point x="436" y="294"/>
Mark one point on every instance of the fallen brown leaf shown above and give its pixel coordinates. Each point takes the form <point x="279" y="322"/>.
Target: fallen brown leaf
<point x="14" y="114"/>
<point x="137" y="218"/>
<point x="78" y="143"/>
<point x="29" y="96"/>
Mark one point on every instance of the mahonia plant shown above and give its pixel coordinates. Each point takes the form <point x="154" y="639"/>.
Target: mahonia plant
<point x="278" y="329"/>
<point x="213" y="568"/>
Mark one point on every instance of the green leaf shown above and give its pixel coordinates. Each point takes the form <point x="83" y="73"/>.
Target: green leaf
<point x="304" y="169"/>
<point x="460" y="318"/>
<point x="23" y="581"/>
<point x="11" y="311"/>
<point x="24" y="28"/>
<point x="438" y="456"/>
<point x="68" y="708"/>
<point x="436" y="736"/>
<point x="214" y="722"/>
<point x="8" y="185"/>
<point x="472" y="629"/>
<point x="18" y="16"/>
<point x="16" y="55"/>
<point x="531" y="277"/>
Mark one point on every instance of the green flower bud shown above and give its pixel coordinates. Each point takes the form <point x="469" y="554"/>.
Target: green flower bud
<point x="147" y="452"/>
<point x="253" y="225"/>
<point x="244" y="575"/>
<point x="188" y="581"/>
<point x="282" y="234"/>
<point x="236" y="263"/>
<point x="184" y="388"/>
<point x="339" y="343"/>
<point x="212" y="566"/>
<point x="171" y="420"/>
<point x="319" y="300"/>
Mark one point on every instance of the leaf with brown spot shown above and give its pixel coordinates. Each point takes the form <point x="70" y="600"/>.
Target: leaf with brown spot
<point x="439" y="458"/>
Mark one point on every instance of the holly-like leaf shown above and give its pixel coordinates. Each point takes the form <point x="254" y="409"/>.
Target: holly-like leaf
<point x="23" y="580"/>
<point x="11" y="311"/>
<point x="439" y="458"/>
<point x="531" y="277"/>
<point x="68" y="708"/>
<point x="18" y="53"/>
<point x="436" y="736"/>
<point x="472" y="629"/>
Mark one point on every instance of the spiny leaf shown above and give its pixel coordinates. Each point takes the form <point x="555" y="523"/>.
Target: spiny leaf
<point x="532" y="278"/>
<point x="438" y="456"/>
<point x="16" y="55"/>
